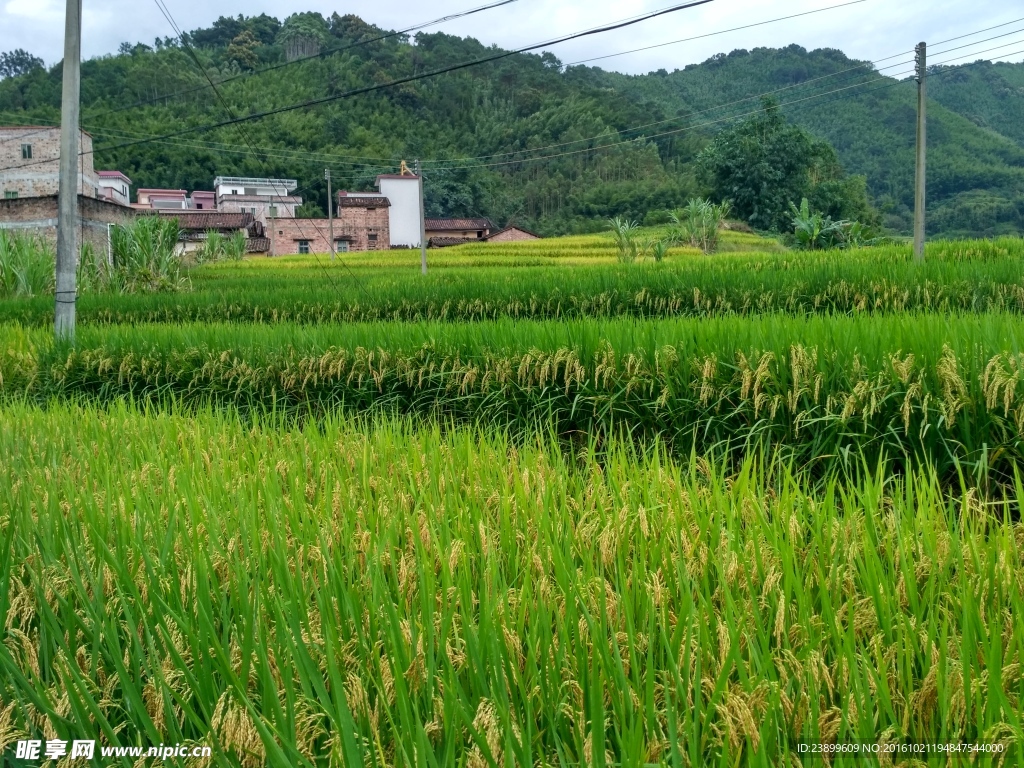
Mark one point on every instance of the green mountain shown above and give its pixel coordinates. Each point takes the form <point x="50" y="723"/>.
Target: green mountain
<point x="524" y="138"/>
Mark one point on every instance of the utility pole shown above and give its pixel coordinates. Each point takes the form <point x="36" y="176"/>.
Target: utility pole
<point x="921" y="57"/>
<point x="67" y="190"/>
<point x="330" y="210"/>
<point x="423" y="224"/>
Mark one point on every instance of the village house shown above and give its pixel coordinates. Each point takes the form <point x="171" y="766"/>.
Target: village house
<point x="265" y="199"/>
<point x="361" y="223"/>
<point x="510" y="234"/>
<point x="30" y="158"/>
<point x="194" y="227"/>
<point x="461" y="229"/>
<point x="30" y="180"/>
<point x="115" y="187"/>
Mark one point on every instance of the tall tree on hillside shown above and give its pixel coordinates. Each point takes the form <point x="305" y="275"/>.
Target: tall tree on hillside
<point x="765" y="163"/>
<point x="18" y="62"/>
<point x="302" y="34"/>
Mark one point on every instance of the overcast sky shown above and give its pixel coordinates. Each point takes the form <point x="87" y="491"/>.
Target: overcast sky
<point x="870" y="30"/>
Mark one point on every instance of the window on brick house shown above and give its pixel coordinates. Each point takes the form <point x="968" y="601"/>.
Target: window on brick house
<point x="26" y="151"/>
<point x="303" y="246"/>
<point x="273" y="210"/>
<point x="341" y="246"/>
<point x="371" y="241"/>
<point x="10" y="194"/>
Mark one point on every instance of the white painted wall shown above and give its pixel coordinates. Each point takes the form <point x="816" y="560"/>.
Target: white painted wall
<point x="404" y="213"/>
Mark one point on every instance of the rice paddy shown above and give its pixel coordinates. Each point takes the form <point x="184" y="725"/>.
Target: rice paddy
<point x="536" y="509"/>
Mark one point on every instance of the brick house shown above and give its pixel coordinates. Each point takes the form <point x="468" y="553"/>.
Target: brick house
<point x="464" y="229"/>
<point x="361" y="225"/>
<point x="30" y="157"/>
<point x="511" y="234"/>
<point x="37" y="217"/>
<point x="194" y="226"/>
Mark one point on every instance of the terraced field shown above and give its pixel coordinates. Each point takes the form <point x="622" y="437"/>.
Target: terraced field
<point x="536" y="508"/>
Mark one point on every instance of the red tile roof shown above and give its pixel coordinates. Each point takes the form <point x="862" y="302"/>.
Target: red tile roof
<point x="443" y="224"/>
<point x="204" y="220"/>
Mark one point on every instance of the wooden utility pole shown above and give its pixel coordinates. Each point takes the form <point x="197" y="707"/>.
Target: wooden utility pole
<point x="921" y="56"/>
<point x="67" y="191"/>
<point x="330" y="210"/>
<point x="423" y="223"/>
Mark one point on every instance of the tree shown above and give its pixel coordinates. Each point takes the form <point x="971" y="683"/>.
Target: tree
<point x="242" y="50"/>
<point x="302" y="34"/>
<point x="765" y="163"/>
<point x="18" y="62"/>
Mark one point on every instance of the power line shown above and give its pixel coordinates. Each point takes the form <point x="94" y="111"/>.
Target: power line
<point x="227" y="108"/>
<point x="713" y="34"/>
<point x="413" y="78"/>
<point x="743" y="100"/>
<point x="320" y="55"/>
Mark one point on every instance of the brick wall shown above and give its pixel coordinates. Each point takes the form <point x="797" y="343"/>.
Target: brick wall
<point x="354" y="227"/>
<point x="39" y="175"/>
<point x="37" y="216"/>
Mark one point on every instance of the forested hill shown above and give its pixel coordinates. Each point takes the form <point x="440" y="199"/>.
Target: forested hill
<point x="526" y="138"/>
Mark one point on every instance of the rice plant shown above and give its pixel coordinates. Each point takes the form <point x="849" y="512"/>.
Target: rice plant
<point x="945" y="390"/>
<point x="380" y="594"/>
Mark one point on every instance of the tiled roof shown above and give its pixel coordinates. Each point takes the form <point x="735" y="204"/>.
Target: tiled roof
<point x="204" y="220"/>
<point x="348" y="201"/>
<point x="257" y="245"/>
<point x="511" y="227"/>
<point x="444" y="242"/>
<point x="443" y="224"/>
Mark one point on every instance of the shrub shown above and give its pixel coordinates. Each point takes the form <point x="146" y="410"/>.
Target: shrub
<point x="27" y="265"/>
<point x="699" y="222"/>
<point x="624" y="232"/>
<point x="146" y="257"/>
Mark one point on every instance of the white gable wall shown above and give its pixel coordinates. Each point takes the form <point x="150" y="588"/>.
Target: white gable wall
<point x="404" y="213"/>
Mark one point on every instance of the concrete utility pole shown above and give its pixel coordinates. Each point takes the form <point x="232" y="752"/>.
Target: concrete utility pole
<point x="921" y="56"/>
<point x="423" y="224"/>
<point x="330" y="209"/>
<point x="67" y="197"/>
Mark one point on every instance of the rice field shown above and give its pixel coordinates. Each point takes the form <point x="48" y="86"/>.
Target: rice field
<point x="538" y="508"/>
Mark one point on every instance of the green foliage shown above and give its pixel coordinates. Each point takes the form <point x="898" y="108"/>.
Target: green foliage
<point x="27" y="265"/>
<point x="624" y="231"/>
<point x="18" y="62"/>
<point x="146" y="257"/>
<point x="242" y="50"/>
<point x="765" y="163"/>
<point x="699" y="223"/>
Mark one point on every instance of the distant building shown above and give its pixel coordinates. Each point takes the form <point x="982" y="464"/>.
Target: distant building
<point x="203" y="201"/>
<point x="115" y="187"/>
<point x="30" y="159"/>
<point x="511" y="234"/>
<point x="506" y="235"/>
<point x="30" y="180"/>
<point x="464" y="229"/>
<point x="265" y="199"/>
<point x="362" y="222"/>
<point x="194" y="227"/>
<point x="161" y="199"/>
